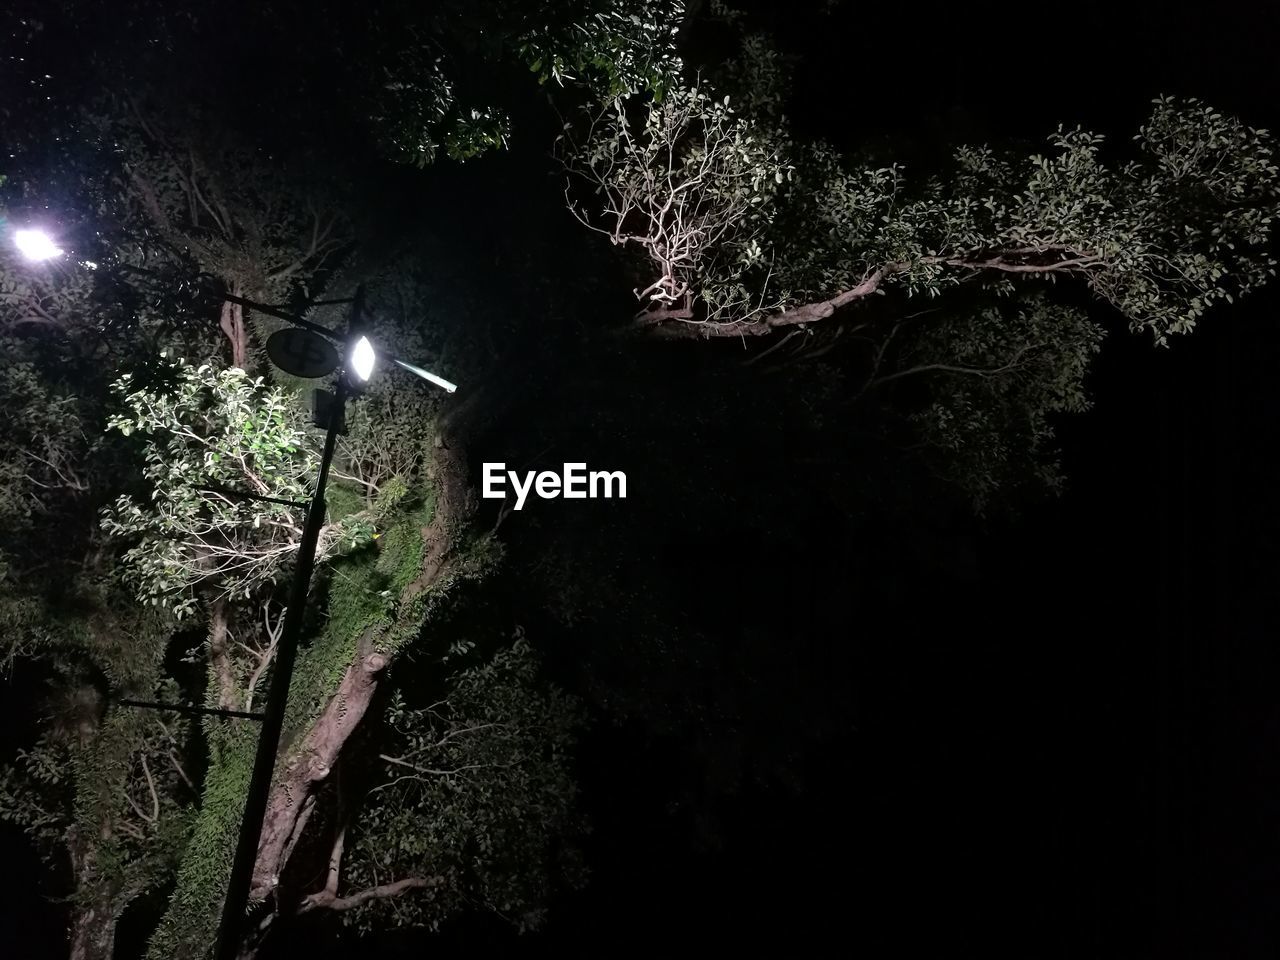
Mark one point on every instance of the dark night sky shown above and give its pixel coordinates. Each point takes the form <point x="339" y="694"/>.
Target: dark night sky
<point x="1074" y="751"/>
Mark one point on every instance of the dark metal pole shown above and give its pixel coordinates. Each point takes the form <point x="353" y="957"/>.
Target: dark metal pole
<point x="183" y="708"/>
<point x="255" y="807"/>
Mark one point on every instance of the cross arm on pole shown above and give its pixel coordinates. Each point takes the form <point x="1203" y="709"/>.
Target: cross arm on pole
<point x="184" y="708"/>
<point x="332" y="335"/>
<point x="285" y="315"/>
<point x="243" y="495"/>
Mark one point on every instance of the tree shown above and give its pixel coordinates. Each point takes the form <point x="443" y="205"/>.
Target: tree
<point x="745" y="233"/>
<point x="178" y="204"/>
<point x="477" y="783"/>
<point x="187" y="550"/>
<point x="192" y="543"/>
<point x="210" y="436"/>
<point x="106" y="791"/>
<point x="226" y="209"/>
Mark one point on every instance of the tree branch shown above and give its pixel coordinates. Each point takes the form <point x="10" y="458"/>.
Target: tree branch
<point x="952" y="368"/>
<point x="219" y="656"/>
<point x="151" y="786"/>
<point x="808" y="313"/>
<point x="384" y="891"/>
<point x="335" y="861"/>
<point x="266" y="656"/>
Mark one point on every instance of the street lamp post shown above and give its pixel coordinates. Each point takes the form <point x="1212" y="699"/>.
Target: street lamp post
<point x="358" y="360"/>
<point x="264" y="762"/>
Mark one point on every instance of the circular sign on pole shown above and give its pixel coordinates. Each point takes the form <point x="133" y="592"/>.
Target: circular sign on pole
<point x="301" y="352"/>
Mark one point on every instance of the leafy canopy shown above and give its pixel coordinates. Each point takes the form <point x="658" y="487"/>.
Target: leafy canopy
<point x="211" y="436"/>
<point x="744" y="230"/>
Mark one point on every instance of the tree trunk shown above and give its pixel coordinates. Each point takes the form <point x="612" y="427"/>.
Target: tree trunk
<point x="310" y="764"/>
<point x="93" y="926"/>
<point x="220" y="656"/>
<point x="232" y="324"/>
<point x="93" y="931"/>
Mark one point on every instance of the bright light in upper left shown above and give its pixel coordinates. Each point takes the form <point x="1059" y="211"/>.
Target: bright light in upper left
<point x="36" y="245"/>
<point x="362" y="359"/>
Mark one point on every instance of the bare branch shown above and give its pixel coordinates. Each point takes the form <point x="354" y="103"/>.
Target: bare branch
<point x="173" y="758"/>
<point x="151" y="786"/>
<point x="273" y="631"/>
<point x="335" y="861"/>
<point x="326" y="900"/>
<point x="953" y="368"/>
<point x="808" y="313"/>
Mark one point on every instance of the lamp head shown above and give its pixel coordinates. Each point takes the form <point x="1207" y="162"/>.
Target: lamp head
<point x="362" y="360"/>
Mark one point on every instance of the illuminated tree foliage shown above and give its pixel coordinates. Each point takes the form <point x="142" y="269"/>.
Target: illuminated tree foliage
<point x="737" y="230"/>
<point x="185" y="546"/>
<point x="210" y="437"/>
<point x="760" y="234"/>
<point x="399" y="514"/>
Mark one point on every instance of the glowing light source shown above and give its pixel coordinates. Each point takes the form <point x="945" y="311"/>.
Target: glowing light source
<point x="36" y="245"/>
<point x="425" y="375"/>
<point x="362" y="359"/>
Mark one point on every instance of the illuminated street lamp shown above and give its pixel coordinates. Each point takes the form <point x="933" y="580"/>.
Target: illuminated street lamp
<point x="362" y="359"/>
<point x="36" y="245"/>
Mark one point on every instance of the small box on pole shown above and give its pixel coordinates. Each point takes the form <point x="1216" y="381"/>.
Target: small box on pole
<point x="322" y="402"/>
